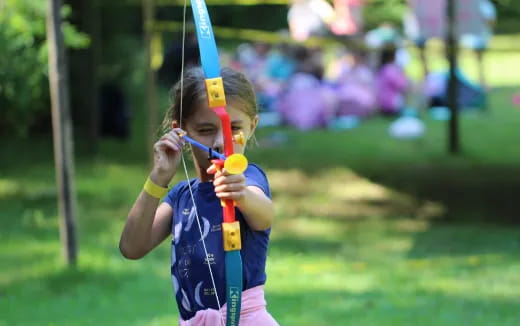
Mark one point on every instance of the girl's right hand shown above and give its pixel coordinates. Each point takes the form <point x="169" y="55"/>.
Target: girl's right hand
<point x="167" y="153"/>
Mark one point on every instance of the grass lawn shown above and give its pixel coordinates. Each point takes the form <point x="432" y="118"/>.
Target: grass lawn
<point x="369" y="230"/>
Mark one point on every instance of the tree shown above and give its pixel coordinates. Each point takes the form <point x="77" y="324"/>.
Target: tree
<point x="62" y="131"/>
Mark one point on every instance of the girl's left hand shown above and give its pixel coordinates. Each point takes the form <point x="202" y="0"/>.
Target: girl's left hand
<point x="228" y="186"/>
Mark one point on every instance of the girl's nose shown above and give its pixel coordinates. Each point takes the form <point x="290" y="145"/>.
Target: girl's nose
<point x="218" y="143"/>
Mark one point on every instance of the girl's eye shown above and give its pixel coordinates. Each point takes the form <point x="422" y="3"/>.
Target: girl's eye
<point x="236" y="128"/>
<point x="205" y="131"/>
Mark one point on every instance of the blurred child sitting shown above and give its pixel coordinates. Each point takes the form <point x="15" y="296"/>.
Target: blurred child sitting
<point x="307" y="102"/>
<point x="391" y="83"/>
<point x="267" y="68"/>
<point x="279" y="68"/>
<point x="355" y="88"/>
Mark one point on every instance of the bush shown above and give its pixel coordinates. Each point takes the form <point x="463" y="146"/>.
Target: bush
<point x="24" y="91"/>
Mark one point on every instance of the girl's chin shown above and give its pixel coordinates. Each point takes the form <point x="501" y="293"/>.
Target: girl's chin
<point x="204" y="167"/>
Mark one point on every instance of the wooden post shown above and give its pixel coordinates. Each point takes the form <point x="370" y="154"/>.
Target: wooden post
<point x="452" y="50"/>
<point x="151" y="89"/>
<point x="62" y="132"/>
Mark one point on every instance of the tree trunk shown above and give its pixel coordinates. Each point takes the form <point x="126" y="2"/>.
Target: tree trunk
<point x="62" y="132"/>
<point x="451" y="44"/>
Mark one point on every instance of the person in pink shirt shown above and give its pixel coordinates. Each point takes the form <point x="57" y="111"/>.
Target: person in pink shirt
<point x="307" y="103"/>
<point x="355" y="91"/>
<point x="391" y="83"/>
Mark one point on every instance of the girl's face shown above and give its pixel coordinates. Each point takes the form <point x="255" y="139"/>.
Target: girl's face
<point x="205" y="127"/>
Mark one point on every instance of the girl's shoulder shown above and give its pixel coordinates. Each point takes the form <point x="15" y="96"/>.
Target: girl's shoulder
<point x="255" y="176"/>
<point x="184" y="185"/>
<point x="254" y="166"/>
<point x="177" y="191"/>
<point x="254" y="170"/>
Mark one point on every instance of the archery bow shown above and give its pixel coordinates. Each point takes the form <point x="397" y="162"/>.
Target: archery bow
<point x="233" y="163"/>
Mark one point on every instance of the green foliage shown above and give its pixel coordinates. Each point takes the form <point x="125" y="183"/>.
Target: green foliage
<point x="23" y="63"/>
<point x="379" y="11"/>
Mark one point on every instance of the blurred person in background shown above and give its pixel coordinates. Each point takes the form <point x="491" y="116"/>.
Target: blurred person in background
<point x="479" y="41"/>
<point x="391" y="83"/>
<point x="355" y="87"/>
<point x="309" y="17"/>
<point x="307" y="102"/>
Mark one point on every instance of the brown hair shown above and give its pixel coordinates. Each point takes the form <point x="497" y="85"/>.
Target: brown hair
<point x="236" y="88"/>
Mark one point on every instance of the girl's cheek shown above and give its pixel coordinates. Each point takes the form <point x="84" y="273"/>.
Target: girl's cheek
<point x="206" y="141"/>
<point x="238" y="148"/>
<point x="200" y="155"/>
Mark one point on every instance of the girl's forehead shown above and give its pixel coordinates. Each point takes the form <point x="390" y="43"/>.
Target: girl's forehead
<point x="204" y="114"/>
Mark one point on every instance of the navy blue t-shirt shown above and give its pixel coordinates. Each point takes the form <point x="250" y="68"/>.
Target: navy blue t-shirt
<point x="189" y="268"/>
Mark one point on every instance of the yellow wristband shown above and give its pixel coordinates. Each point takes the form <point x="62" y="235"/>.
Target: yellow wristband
<point x="154" y="190"/>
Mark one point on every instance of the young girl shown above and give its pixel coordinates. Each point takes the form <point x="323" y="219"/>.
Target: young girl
<point x="149" y="222"/>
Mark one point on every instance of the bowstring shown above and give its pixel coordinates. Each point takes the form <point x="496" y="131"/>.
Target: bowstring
<point x="186" y="169"/>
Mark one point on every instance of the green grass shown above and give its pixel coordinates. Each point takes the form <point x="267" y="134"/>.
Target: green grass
<point x="369" y="230"/>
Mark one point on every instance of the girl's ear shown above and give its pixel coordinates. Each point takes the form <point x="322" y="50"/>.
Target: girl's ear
<point x="254" y="123"/>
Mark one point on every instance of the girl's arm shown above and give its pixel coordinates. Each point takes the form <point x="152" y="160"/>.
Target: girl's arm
<point x="257" y="208"/>
<point x="146" y="226"/>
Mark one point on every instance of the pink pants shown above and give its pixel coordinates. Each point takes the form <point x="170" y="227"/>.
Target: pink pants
<point x="253" y="312"/>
